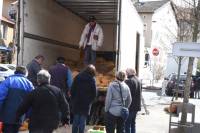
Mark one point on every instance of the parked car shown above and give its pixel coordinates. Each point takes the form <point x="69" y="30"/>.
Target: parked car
<point x="171" y="82"/>
<point x="7" y="70"/>
<point x="166" y="80"/>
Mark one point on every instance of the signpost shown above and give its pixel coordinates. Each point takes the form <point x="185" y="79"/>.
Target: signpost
<point x="184" y="50"/>
<point x="155" y="52"/>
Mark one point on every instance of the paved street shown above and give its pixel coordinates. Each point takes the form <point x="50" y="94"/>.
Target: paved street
<point x="158" y="120"/>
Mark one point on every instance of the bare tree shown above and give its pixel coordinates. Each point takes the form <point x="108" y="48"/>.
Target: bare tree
<point x="195" y="19"/>
<point x="189" y="19"/>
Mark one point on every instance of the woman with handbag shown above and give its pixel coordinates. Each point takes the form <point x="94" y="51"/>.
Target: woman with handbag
<point x="118" y="99"/>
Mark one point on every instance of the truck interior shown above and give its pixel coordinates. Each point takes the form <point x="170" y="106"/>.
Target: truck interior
<point x="59" y="25"/>
<point x="105" y="12"/>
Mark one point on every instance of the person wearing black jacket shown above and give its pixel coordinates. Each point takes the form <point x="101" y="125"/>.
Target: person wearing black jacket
<point x="83" y="93"/>
<point x="34" y="67"/>
<point x="46" y="102"/>
<point x="135" y="89"/>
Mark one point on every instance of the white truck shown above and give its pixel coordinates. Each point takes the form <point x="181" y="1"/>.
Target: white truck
<point x="53" y="28"/>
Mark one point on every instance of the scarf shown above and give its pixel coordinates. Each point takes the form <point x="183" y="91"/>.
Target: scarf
<point x="90" y="31"/>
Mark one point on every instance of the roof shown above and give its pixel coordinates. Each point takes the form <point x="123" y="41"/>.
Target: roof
<point x="105" y="11"/>
<point x="150" y="6"/>
<point x="4" y="19"/>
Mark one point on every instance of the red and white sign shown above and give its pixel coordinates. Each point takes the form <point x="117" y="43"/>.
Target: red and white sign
<point x="155" y="52"/>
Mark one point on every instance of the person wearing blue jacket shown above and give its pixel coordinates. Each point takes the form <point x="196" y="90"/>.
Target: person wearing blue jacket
<point x="12" y="92"/>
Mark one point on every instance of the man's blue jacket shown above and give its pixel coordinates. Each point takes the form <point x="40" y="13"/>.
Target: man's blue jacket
<point x="12" y="92"/>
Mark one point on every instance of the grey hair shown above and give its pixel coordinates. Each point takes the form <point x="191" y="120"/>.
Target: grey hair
<point x="120" y="75"/>
<point x="130" y="72"/>
<point x="43" y="76"/>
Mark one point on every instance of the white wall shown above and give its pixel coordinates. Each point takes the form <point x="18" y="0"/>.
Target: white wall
<point x="131" y="23"/>
<point x="147" y="19"/>
<point x="164" y="33"/>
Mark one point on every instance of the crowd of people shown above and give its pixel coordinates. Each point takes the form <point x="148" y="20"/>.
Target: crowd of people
<point x="47" y="98"/>
<point x="43" y="97"/>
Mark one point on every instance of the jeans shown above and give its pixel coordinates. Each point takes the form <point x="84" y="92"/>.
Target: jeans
<point x="10" y="128"/>
<point x="113" y="122"/>
<point x="79" y="122"/>
<point x="90" y="55"/>
<point x="130" y="122"/>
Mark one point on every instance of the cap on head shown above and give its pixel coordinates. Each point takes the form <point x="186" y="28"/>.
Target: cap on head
<point x="92" y="18"/>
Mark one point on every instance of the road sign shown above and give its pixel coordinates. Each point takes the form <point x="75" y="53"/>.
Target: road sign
<point x="155" y="52"/>
<point x="186" y="49"/>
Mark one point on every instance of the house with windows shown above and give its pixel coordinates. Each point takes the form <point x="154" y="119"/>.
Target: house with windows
<point x="7" y="30"/>
<point x="160" y="31"/>
<point x="7" y="22"/>
<point x="7" y="26"/>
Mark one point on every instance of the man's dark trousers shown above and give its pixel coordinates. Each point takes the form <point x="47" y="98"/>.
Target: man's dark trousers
<point x="10" y="128"/>
<point x="111" y="121"/>
<point x="79" y="122"/>
<point x="130" y="122"/>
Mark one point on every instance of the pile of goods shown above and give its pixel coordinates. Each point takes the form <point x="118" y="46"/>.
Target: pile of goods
<point x="24" y="126"/>
<point x="105" y="71"/>
<point x="172" y="107"/>
<point x="97" y="129"/>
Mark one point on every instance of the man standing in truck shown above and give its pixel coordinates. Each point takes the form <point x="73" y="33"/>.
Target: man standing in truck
<point x="91" y="40"/>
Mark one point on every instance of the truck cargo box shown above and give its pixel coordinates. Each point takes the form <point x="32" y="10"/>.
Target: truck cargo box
<point x="53" y="28"/>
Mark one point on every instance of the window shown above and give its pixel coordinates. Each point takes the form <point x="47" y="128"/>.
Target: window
<point x="5" y="31"/>
<point x="145" y="27"/>
<point x="11" y="67"/>
<point x="3" y="69"/>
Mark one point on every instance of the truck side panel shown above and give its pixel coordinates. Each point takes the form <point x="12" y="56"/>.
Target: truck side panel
<point x="47" y="19"/>
<point x="51" y="23"/>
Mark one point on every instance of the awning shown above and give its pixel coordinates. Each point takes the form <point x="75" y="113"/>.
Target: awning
<point x="4" y="19"/>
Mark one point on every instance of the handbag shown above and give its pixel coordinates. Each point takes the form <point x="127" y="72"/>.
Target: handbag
<point x="124" y="110"/>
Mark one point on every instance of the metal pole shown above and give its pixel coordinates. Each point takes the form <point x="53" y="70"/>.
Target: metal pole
<point x="1" y="9"/>
<point x="118" y="35"/>
<point x="178" y="76"/>
<point x="18" y="30"/>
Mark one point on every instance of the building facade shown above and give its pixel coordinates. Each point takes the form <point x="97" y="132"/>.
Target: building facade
<point x="160" y="31"/>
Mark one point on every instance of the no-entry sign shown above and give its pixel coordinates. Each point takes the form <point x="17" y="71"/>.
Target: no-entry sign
<point x="155" y="52"/>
